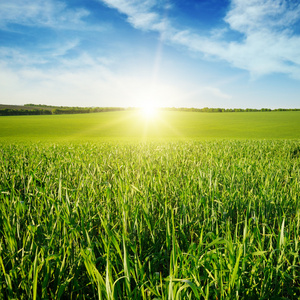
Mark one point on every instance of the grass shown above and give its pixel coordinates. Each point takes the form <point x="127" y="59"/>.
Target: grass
<point x="130" y="126"/>
<point x="177" y="220"/>
<point x="191" y="206"/>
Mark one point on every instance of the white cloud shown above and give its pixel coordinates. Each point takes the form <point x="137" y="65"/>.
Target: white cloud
<point x="256" y="15"/>
<point x="90" y="81"/>
<point x="49" y="54"/>
<point x="141" y="14"/>
<point x="205" y="96"/>
<point x="84" y="81"/>
<point x="45" y="13"/>
<point x="269" y="44"/>
<point x="15" y="57"/>
<point x="217" y="92"/>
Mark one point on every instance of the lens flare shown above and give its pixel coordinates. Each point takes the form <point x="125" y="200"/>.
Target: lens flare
<point x="148" y="111"/>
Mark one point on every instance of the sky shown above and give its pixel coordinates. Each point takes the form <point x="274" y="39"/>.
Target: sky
<point x="170" y="53"/>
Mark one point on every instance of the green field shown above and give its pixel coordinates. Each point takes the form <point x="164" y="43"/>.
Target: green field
<point x="130" y="125"/>
<point x="191" y="206"/>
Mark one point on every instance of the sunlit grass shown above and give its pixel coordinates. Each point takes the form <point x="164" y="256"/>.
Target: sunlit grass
<point x="166" y="125"/>
<point x="160" y="215"/>
<point x="176" y="220"/>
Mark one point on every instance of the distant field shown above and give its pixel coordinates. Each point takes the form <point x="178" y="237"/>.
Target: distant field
<point x="129" y="125"/>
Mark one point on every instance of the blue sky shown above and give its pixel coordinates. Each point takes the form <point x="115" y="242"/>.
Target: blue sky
<point x="230" y="53"/>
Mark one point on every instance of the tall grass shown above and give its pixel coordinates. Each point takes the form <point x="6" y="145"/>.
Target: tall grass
<point x="186" y="220"/>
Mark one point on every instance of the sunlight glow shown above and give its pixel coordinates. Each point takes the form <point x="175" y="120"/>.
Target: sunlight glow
<point x="148" y="111"/>
<point x="146" y="94"/>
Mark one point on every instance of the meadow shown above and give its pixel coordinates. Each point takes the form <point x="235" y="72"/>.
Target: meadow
<point x="131" y="125"/>
<point x="187" y="206"/>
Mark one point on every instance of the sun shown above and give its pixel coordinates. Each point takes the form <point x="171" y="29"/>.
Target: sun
<point x="148" y="111"/>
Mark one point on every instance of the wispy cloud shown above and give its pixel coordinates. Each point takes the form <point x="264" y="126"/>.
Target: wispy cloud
<point x="217" y="92"/>
<point x="51" y="53"/>
<point x="269" y="44"/>
<point x="256" y="15"/>
<point x="140" y="14"/>
<point x="84" y="81"/>
<point x="82" y="87"/>
<point x="16" y="58"/>
<point x="49" y="13"/>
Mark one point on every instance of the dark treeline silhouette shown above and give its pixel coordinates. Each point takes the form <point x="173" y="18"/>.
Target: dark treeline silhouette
<point x="24" y="112"/>
<point x="84" y="110"/>
<point x="41" y="109"/>
<point x="55" y="110"/>
<point x="39" y="106"/>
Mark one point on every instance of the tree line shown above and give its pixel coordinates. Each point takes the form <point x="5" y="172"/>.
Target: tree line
<point x="24" y="112"/>
<point x="59" y="110"/>
<point x="84" y="110"/>
<point x="56" y="110"/>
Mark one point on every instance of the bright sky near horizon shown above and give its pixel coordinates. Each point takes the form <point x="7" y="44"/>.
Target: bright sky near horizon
<point x="182" y="53"/>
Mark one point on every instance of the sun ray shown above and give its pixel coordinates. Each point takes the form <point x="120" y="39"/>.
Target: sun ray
<point x="148" y="111"/>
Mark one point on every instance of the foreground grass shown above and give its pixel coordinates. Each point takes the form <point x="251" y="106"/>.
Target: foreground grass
<point x="181" y="220"/>
<point x="128" y="125"/>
